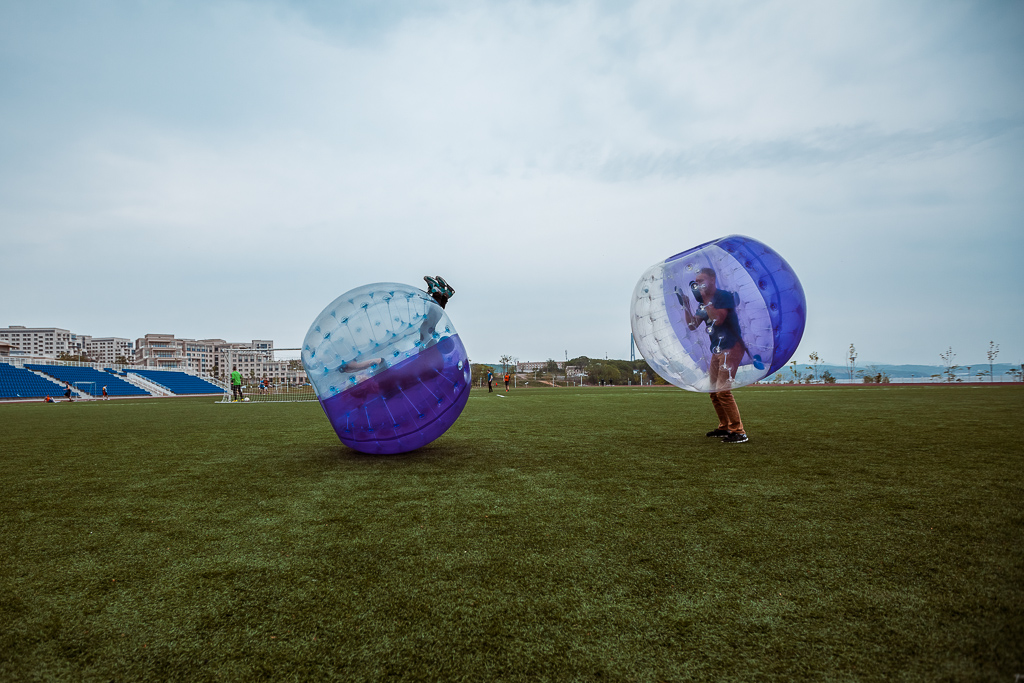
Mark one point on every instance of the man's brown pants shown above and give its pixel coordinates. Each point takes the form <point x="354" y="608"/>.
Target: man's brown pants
<point x="721" y="371"/>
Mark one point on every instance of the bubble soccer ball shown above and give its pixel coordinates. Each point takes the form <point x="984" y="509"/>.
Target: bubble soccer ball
<point x="388" y="367"/>
<point x="758" y="336"/>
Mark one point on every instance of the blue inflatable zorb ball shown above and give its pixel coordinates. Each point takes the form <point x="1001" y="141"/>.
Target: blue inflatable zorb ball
<point x="388" y="367"/>
<point x="766" y="305"/>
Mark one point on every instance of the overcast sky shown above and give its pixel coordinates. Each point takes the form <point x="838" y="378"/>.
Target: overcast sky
<point x="226" y="169"/>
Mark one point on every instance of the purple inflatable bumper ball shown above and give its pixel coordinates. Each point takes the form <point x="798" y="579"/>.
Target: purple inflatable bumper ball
<point x="765" y="321"/>
<point x="388" y="367"/>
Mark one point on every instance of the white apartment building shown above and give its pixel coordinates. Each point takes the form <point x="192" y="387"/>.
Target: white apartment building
<point x="158" y="351"/>
<point x="203" y="355"/>
<point x="42" y="342"/>
<point x="536" y="365"/>
<point x="255" y="359"/>
<point x="109" y="350"/>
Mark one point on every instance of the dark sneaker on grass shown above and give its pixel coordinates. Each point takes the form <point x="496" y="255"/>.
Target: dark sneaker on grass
<point x="718" y="432"/>
<point x="735" y="437"/>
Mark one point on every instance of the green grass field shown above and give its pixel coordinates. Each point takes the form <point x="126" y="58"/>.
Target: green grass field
<point x="572" y="534"/>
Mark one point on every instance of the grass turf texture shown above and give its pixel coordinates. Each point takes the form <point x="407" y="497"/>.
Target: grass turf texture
<point x="573" y="534"/>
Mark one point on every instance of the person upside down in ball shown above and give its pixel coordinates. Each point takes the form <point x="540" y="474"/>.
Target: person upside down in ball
<point x="717" y="311"/>
<point x="440" y="291"/>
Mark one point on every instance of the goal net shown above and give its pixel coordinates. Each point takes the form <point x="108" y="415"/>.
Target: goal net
<point x="268" y="376"/>
<point x="86" y="390"/>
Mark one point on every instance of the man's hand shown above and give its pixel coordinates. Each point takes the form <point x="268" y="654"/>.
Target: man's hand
<point x="684" y="300"/>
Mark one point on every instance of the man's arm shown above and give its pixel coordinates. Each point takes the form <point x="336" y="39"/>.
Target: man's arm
<point x="692" y="321"/>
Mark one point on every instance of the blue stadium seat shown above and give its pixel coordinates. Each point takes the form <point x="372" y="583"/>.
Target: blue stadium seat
<point x="20" y="383"/>
<point x="72" y="374"/>
<point x="178" y="382"/>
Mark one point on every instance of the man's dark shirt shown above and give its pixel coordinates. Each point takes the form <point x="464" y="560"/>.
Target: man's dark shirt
<point x="726" y="334"/>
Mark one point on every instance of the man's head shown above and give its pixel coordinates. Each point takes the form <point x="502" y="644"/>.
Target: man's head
<point x="706" y="280"/>
<point x="234" y="367"/>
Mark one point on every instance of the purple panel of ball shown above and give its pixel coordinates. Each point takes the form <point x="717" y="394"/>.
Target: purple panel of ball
<point x="388" y="367"/>
<point x="784" y="295"/>
<point x="766" y="322"/>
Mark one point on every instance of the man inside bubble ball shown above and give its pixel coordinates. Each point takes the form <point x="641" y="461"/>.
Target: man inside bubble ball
<point x="440" y="291"/>
<point x="717" y="310"/>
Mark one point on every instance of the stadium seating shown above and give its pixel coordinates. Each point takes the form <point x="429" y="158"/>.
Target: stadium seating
<point x="19" y="383"/>
<point x="23" y="383"/>
<point x="72" y="374"/>
<point x="178" y="382"/>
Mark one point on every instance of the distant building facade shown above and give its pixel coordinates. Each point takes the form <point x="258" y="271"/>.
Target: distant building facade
<point x="536" y="365"/>
<point x="110" y="350"/>
<point x="214" y="357"/>
<point x="158" y="351"/>
<point x="41" y="342"/>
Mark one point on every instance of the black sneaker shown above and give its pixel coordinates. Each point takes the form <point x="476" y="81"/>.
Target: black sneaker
<point x="718" y="432"/>
<point x="735" y="437"/>
<point x="432" y="284"/>
<point x="449" y="291"/>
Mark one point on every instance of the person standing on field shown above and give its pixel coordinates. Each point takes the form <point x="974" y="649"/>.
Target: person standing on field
<point x="717" y="311"/>
<point x="490" y="382"/>
<point x="508" y="377"/>
<point x="236" y="384"/>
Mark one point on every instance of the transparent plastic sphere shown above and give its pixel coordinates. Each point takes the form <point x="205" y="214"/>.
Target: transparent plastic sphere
<point x="388" y="367"/>
<point x="718" y="316"/>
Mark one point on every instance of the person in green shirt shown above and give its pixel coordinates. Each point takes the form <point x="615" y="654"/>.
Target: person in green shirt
<point x="236" y="384"/>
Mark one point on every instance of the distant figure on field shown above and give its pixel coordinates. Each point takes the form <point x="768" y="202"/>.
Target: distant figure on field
<point x="490" y="382"/>
<point x="508" y="378"/>
<point x="236" y="384"/>
<point x="67" y="391"/>
<point x="717" y="311"/>
<point x="105" y="397"/>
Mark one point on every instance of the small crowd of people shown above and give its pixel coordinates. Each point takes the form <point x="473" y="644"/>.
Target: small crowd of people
<point x="490" y="381"/>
